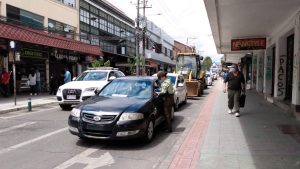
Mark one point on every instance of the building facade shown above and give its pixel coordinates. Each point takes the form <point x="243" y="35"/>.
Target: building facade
<point x="182" y="48"/>
<point x="159" y="50"/>
<point x="270" y="53"/>
<point x="104" y="25"/>
<point x="45" y="40"/>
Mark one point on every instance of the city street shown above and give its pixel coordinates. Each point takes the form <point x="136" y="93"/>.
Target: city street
<point x="40" y="139"/>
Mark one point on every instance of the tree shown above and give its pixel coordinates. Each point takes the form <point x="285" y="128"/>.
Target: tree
<point x="100" y="63"/>
<point x="207" y="63"/>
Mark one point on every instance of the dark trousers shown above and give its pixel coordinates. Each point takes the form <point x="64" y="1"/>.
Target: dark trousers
<point x="32" y="89"/>
<point x="5" y="90"/>
<point x="234" y="99"/>
<point x="168" y="103"/>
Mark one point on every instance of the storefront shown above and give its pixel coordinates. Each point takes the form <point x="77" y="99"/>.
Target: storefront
<point x="48" y="53"/>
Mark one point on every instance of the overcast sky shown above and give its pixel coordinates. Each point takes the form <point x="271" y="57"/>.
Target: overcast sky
<point x="181" y="19"/>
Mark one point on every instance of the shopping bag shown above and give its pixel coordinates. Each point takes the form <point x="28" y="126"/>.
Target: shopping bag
<point x="242" y="100"/>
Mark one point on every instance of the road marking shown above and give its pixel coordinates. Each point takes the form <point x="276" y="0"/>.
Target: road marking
<point x="91" y="162"/>
<point x="17" y="126"/>
<point x="24" y="114"/>
<point x="31" y="141"/>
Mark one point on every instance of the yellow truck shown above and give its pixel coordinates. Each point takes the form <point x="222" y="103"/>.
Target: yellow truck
<point x="189" y="65"/>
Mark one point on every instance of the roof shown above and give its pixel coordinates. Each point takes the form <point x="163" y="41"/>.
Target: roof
<point x="29" y="35"/>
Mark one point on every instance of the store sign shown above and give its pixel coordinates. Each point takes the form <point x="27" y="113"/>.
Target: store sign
<point x="281" y="76"/>
<point x="68" y="57"/>
<point x="248" y="44"/>
<point x="31" y="53"/>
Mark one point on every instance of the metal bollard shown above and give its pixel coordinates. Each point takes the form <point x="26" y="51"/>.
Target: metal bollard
<point x="29" y="104"/>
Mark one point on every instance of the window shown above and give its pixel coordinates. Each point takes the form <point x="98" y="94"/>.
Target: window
<point x="61" y="28"/>
<point x="84" y="16"/>
<point x="95" y="40"/>
<point x="103" y="24"/>
<point x="84" y="5"/>
<point x="84" y="37"/>
<point x="94" y="21"/>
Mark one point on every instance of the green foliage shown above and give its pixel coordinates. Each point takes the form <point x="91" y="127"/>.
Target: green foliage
<point x="100" y="63"/>
<point x="207" y="63"/>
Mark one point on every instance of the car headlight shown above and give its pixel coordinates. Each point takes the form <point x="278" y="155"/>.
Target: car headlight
<point x="131" y="116"/>
<point x="59" y="91"/>
<point x="91" y="89"/>
<point x="75" y="112"/>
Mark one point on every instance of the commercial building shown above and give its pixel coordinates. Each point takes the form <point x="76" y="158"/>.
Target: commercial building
<point x="181" y="48"/>
<point x="46" y="33"/>
<point x="159" y="50"/>
<point x="102" y="24"/>
<point x="266" y="42"/>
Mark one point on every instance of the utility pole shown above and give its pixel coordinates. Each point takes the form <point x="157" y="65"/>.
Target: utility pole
<point x="144" y="35"/>
<point x="137" y="36"/>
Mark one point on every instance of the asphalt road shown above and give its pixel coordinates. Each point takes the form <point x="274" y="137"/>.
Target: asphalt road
<point x="41" y="140"/>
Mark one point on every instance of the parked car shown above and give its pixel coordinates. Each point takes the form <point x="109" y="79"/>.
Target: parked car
<point x="84" y="86"/>
<point x="209" y="80"/>
<point x="180" y="95"/>
<point x="126" y="108"/>
<point x="215" y="76"/>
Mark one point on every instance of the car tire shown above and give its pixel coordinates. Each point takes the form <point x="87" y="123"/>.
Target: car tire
<point x="65" y="107"/>
<point x="176" y="105"/>
<point x="149" y="133"/>
<point x="185" y="100"/>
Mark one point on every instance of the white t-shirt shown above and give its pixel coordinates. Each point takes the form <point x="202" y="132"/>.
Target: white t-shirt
<point x="32" y="79"/>
<point x="38" y="76"/>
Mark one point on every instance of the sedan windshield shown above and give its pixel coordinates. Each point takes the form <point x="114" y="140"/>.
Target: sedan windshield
<point x="92" y="76"/>
<point x="141" y="89"/>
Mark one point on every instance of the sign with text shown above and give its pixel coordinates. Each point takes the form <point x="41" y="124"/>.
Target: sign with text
<point x="248" y="44"/>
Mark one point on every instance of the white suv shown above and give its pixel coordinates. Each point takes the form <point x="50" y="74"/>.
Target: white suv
<point x="84" y="86"/>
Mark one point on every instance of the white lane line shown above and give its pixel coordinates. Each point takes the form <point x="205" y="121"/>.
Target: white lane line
<point x="31" y="141"/>
<point x="91" y="162"/>
<point x="24" y="114"/>
<point x="17" y="126"/>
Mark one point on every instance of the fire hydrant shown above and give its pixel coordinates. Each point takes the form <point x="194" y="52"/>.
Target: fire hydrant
<point x="29" y="104"/>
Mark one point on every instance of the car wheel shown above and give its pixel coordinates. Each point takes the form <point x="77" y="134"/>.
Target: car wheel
<point x="65" y="107"/>
<point x="176" y="106"/>
<point x="149" y="132"/>
<point x="185" y="100"/>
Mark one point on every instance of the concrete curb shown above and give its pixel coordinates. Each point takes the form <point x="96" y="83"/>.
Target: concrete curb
<point x="23" y="107"/>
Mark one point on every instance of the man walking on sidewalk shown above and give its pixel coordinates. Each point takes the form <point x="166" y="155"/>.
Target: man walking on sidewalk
<point x="236" y="84"/>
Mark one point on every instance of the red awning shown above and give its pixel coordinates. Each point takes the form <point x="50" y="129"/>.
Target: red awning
<point x="24" y="34"/>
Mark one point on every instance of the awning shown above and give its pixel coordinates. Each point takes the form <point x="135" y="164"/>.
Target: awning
<point x="24" y="34"/>
<point x="160" y="58"/>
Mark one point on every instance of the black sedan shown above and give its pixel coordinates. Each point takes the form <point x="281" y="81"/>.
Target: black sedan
<point x="128" y="107"/>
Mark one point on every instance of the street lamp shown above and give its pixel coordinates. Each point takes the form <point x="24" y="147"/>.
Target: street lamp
<point x="12" y="45"/>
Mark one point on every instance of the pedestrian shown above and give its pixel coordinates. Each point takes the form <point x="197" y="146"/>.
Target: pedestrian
<point x="53" y="84"/>
<point x="32" y="82"/>
<point x="167" y="93"/>
<point x="236" y="84"/>
<point x="38" y="81"/>
<point x="67" y="75"/>
<point x="5" y="77"/>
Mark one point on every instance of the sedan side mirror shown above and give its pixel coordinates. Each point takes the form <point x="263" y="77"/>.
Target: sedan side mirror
<point x="96" y="91"/>
<point x="112" y="78"/>
<point x="180" y="85"/>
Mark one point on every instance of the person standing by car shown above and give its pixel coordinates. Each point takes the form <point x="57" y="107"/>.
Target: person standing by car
<point x="167" y="92"/>
<point x="236" y="84"/>
<point x="38" y="81"/>
<point x="67" y="76"/>
<point x="5" y="77"/>
<point x="32" y="82"/>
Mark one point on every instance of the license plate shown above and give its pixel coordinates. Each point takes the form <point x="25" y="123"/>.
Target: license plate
<point x="71" y="97"/>
<point x="94" y="127"/>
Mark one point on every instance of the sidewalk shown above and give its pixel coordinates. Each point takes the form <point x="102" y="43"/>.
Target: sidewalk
<point x="263" y="137"/>
<point x="8" y="104"/>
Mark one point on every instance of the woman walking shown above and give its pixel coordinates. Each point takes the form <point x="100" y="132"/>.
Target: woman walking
<point x="32" y="82"/>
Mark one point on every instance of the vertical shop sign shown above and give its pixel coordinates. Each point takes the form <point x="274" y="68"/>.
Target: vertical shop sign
<point x="281" y="75"/>
<point x="269" y="68"/>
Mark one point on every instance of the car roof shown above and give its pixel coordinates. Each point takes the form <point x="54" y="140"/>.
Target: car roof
<point x="169" y="74"/>
<point x="99" y="70"/>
